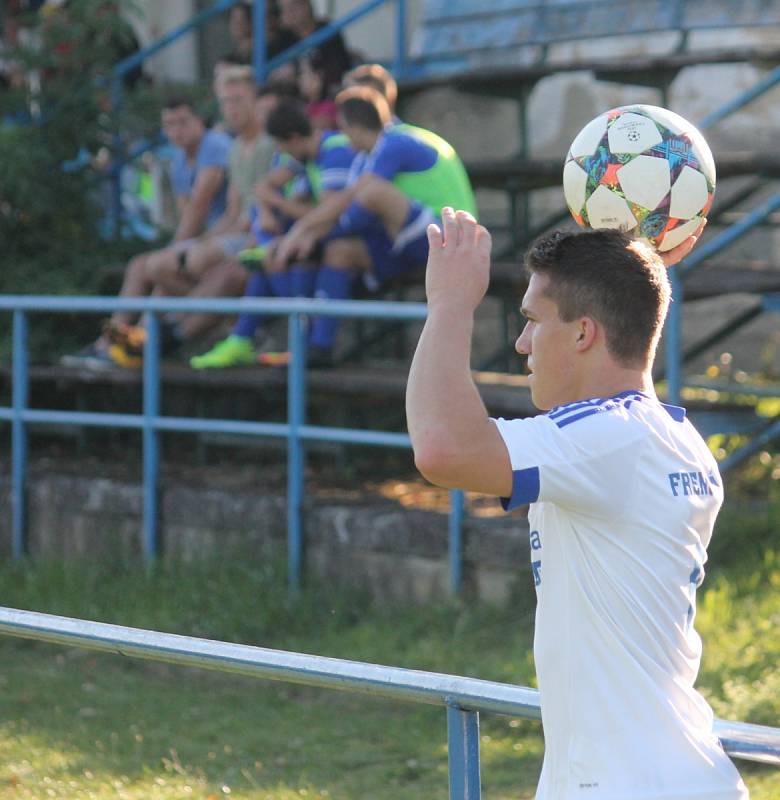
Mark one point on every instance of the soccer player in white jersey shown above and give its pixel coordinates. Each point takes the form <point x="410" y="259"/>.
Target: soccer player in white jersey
<point x="623" y="495"/>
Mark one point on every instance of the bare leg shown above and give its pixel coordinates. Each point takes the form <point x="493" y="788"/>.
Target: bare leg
<point x="346" y="254"/>
<point x="226" y="279"/>
<point x="164" y="269"/>
<point x="388" y="202"/>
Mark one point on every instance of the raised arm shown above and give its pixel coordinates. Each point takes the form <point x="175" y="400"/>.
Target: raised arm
<point x="455" y="443"/>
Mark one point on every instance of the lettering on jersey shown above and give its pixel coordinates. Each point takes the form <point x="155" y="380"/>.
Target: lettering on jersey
<point x="536" y="563"/>
<point x="685" y="484"/>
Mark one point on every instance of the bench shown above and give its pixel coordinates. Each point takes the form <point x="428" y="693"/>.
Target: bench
<point x="507" y="47"/>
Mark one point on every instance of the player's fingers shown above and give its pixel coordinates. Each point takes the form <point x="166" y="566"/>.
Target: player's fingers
<point x="435" y="237"/>
<point x="450" y="227"/>
<point x="484" y="241"/>
<point x="467" y="226"/>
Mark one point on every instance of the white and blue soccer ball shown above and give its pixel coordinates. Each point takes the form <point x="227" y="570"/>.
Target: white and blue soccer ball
<point x="643" y="169"/>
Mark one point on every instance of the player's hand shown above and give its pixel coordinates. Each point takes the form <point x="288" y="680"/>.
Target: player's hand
<point x="296" y="244"/>
<point x="677" y="254"/>
<point x="458" y="271"/>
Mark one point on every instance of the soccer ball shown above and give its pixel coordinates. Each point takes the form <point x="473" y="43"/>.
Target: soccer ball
<point x="642" y="169"/>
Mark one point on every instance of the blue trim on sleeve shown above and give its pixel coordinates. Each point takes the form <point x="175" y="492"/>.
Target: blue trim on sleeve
<point x="525" y="488"/>
<point x="677" y="413"/>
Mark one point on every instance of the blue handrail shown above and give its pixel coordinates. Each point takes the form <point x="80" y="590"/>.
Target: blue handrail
<point x="151" y="423"/>
<point x="705" y="251"/>
<point x="463" y="698"/>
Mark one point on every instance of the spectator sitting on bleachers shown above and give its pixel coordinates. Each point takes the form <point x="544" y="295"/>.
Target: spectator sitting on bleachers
<point x="320" y="160"/>
<point x="277" y="38"/>
<point x="320" y="105"/>
<point x="331" y="58"/>
<point x="377" y="225"/>
<point x="198" y="174"/>
<point x="376" y="76"/>
<point x="206" y="266"/>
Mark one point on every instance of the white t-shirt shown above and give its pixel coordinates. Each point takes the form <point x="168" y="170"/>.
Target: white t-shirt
<point x="624" y="494"/>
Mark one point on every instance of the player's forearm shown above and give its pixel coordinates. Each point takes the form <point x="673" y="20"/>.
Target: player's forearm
<point x="192" y="220"/>
<point x="295" y="209"/>
<point x="325" y="215"/>
<point x="444" y="411"/>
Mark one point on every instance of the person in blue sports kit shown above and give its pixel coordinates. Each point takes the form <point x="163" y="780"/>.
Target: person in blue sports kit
<point x="310" y="166"/>
<point x="376" y="227"/>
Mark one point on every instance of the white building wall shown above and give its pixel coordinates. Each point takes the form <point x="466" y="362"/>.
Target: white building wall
<point x="178" y="61"/>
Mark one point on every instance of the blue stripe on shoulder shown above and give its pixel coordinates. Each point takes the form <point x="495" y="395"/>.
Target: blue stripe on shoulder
<point x="576" y="412"/>
<point x="525" y="488"/>
<point x="561" y="410"/>
<point x="588" y="412"/>
<point x="677" y="413"/>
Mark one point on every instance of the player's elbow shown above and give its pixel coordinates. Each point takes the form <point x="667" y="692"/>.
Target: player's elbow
<point x="435" y="461"/>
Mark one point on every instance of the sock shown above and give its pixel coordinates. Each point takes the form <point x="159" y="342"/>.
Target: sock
<point x="280" y="283"/>
<point x="258" y="286"/>
<point x="302" y="280"/>
<point x="331" y="284"/>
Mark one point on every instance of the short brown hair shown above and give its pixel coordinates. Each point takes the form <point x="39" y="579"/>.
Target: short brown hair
<point x="364" y="106"/>
<point x="606" y="274"/>
<point x="378" y="77"/>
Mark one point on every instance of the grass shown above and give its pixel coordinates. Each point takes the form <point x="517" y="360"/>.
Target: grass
<point x="78" y="724"/>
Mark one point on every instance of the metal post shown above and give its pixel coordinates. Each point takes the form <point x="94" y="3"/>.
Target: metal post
<point x="296" y="410"/>
<point x="259" y="59"/>
<point x="463" y="753"/>
<point x="150" y="435"/>
<point x="399" y="63"/>
<point x="674" y="339"/>
<point x="117" y="157"/>
<point x="455" y="540"/>
<point x="19" y="437"/>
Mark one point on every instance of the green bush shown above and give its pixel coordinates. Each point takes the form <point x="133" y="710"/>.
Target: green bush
<point x="49" y="216"/>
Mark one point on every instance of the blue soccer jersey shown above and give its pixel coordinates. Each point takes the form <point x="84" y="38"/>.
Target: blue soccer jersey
<point x="423" y="171"/>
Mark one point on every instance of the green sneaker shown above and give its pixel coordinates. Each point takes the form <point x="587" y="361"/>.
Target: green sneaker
<point x="235" y="351"/>
<point x="253" y="257"/>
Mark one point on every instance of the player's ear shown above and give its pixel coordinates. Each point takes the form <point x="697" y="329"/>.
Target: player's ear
<point x="585" y="333"/>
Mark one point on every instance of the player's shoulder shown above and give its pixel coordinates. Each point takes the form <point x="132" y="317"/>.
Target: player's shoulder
<point x="216" y="138"/>
<point x="333" y="138"/>
<point x="625" y="417"/>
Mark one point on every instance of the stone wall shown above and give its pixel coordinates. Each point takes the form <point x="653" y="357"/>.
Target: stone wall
<point x="397" y="553"/>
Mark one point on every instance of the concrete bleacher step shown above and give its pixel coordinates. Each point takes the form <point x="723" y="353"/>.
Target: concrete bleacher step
<point x="529" y="174"/>
<point x="503" y="393"/>
<point x="505" y="48"/>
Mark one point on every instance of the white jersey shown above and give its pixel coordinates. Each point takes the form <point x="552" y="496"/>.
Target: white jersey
<point x="624" y="494"/>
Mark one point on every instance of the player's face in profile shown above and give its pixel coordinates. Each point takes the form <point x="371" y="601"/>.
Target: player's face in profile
<point x="549" y="343"/>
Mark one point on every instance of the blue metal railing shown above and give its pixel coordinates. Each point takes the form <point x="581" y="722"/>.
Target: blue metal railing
<point x="464" y="698"/>
<point x="674" y="345"/>
<point x="151" y="423"/>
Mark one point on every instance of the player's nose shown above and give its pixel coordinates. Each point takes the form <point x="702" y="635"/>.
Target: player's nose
<point x="523" y="343"/>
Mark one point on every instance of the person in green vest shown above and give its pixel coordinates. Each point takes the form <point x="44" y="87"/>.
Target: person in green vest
<point x="376" y="228"/>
